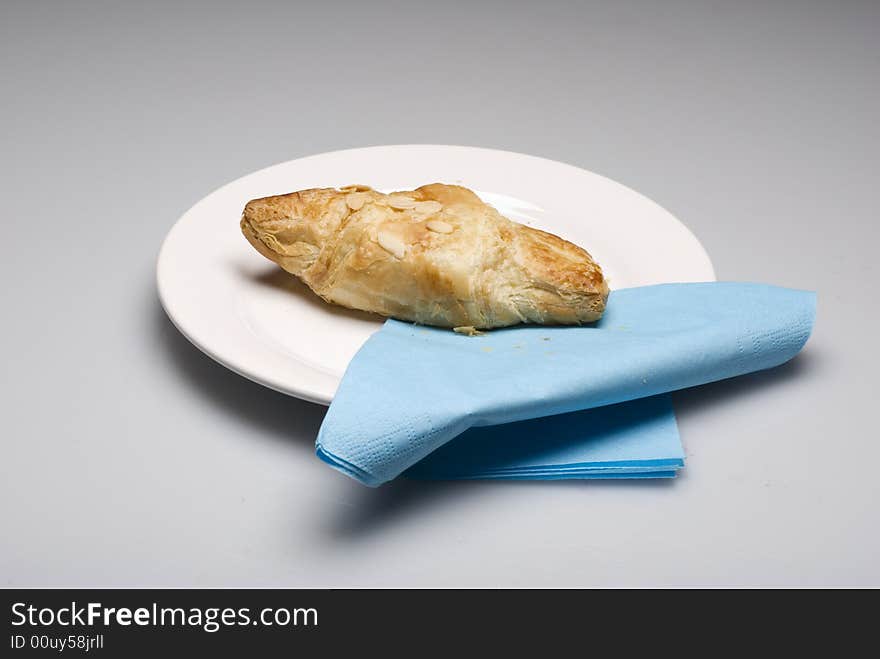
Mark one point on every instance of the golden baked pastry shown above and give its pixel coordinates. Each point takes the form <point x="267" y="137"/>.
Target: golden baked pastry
<point x="436" y="255"/>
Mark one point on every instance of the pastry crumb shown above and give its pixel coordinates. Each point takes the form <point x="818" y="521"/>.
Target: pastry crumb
<point x="467" y="330"/>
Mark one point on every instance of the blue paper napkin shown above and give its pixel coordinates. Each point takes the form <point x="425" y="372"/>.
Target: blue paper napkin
<point x="411" y="389"/>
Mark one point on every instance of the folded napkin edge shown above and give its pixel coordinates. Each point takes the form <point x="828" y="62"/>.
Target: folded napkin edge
<point x="347" y="468"/>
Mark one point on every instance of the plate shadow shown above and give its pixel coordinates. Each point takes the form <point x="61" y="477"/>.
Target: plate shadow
<point x="278" y="415"/>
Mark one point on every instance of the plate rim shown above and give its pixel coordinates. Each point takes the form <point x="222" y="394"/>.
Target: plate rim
<point x="313" y="394"/>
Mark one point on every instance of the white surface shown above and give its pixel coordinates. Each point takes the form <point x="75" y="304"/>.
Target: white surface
<point x="250" y="316"/>
<point x="129" y="457"/>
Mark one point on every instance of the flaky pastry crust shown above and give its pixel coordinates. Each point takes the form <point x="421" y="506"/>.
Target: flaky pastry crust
<point x="436" y="255"/>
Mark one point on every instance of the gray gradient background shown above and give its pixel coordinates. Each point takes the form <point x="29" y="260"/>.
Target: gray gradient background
<point x="129" y="458"/>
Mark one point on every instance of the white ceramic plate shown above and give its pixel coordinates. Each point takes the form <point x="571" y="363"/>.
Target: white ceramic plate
<point x="262" y="323"/>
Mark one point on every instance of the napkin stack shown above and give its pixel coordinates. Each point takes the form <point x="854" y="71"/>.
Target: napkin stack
<point x="538" y="402"/>
<point x="638" y="439"/>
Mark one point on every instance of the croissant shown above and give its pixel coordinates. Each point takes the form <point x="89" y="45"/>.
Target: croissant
<point x="436" y="255"/>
